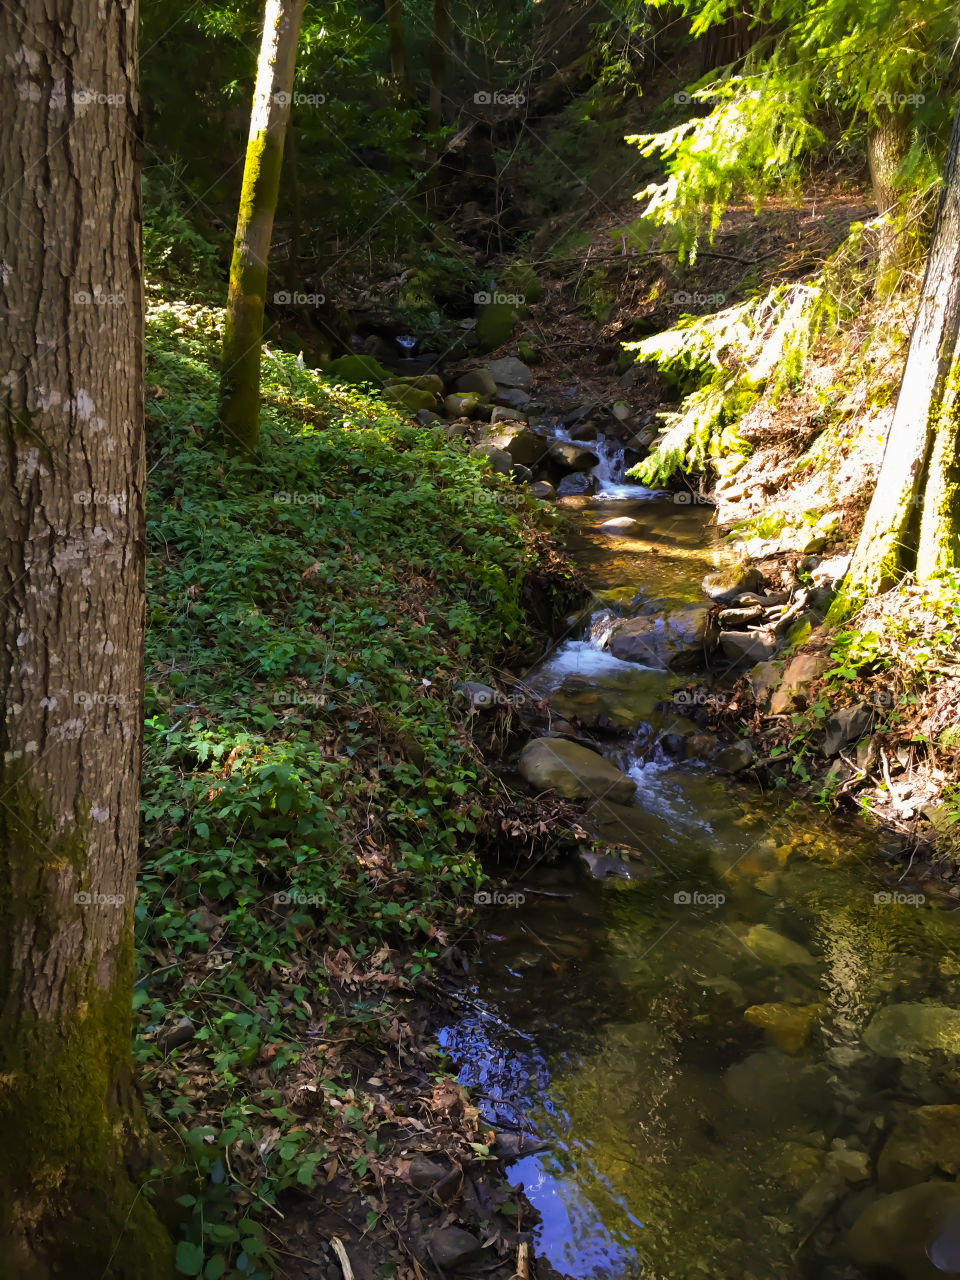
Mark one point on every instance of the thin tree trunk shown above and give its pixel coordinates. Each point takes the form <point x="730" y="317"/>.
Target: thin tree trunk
<point x="398" y="49"/>
<point x="243" y="324"/>
<point x="439" y="43"/>
<point x="887" y="144"/>
<point x="71" y="641"/>
<point x="924" y="423"/>
<point x="296" y="210"/>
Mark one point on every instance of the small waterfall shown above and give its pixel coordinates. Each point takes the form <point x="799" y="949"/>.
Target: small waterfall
<point x="608" y="472"/>
<point x="600" y="629"/>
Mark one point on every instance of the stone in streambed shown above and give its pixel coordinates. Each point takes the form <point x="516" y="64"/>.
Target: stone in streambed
<point x="543" y="490"/>
<point x="455" y="406"/>
<point x="571" y="457"/>
<point x="799" y="673"/>
<point x="774" y="949"/>
<point x="574" y="771"/>
<point x="913" y="1030"/>
<point x="673" y="639"/>
<point x="787" y="1025"/>
<point x="412" y="398"/>
<point x="620" y="526"/>
<point x="515" y="438"/>
<point x="748" y="646"/>
<point x="577" y="483"/>
<point x="849" y="724"/>
<point x="500" y="460"/>
<point x="724" y="585"/>
<point x="735" y="758"/>
<point x="911" y="1234"/>
<point x="511" y="372"/>
<point x="510" y="397"/>
<point x="924" y="1143"/>
<point x="480" y="382"/>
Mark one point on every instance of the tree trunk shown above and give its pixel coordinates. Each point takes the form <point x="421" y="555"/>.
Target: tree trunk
<point x="887" y="144"/>
<point x="398" y="49"/>
<point x="243" y="323"/>
<point x="439" y="43"/>
<point x="71" y="641"/>
<point x="924" y="428"/>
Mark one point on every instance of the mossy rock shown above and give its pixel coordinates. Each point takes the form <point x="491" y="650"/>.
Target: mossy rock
<point x="528" y="350"/>
<point x="461" y="406"/>
<point x="423" y="382"/>
<point x="407" y="397"/>
<point x="356" y="371"/>
<point x="521" y="278"/>
<point x="495" y="324"/>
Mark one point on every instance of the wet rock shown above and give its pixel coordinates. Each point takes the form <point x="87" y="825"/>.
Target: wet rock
<point x="849" y="724"/>
<point x="925" y="1142"/>
<point x="574" y="771"/>
<point x="735" y="758"/>
<point x="700" y="746"/>
<point x="602" y="865"/>
<point x="739" y="617"/>
<point x="773" y="948"/>
<point x="511" y="372"/>
<point x="514" y="438"/>
<point x="748" y="646"/>
<point x="908" y="1031"/>
<point x="584" y="430"/>
<point x="620" y="526"/>
<point x="452" y="1247"/>
<point x="579" y="414"/>
<point x="543" y="490"/>
<point x="799" y="673"/>
<point x="905" y="1232"/>
<point x="724" y="585"/>
<point x="510" y="1146"/>
<point x="479" y="381"/>
<point x="678" y="638"/>
<point x="787" y="1025"/>
<point x="848" y="1164"/>
<point x="771" y="1084"/>
<point x="578" y="483"/>
<point x="571" y="457"/>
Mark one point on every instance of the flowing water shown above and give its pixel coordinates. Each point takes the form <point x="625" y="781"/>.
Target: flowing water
<point x="689" y="1044"/>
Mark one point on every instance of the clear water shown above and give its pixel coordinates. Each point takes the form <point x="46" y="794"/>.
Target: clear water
<point x="625" y="1023"/>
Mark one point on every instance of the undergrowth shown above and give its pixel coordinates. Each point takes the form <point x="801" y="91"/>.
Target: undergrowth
<point x="310" y="792"/>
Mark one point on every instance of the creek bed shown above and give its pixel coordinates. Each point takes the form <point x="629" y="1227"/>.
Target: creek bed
<point x="690" y="1044"/>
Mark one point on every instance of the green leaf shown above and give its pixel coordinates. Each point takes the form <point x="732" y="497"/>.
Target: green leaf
<point x="189" y="1258"/>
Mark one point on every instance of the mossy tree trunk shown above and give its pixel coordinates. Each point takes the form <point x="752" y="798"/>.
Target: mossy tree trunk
<point x="887" y="143"/>
<point x="72" y="478"/>
<point x="243" y="325"/>
<point x="917" y="484"/>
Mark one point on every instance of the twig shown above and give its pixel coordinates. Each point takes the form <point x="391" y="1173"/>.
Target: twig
<point x="336" y="1244"/>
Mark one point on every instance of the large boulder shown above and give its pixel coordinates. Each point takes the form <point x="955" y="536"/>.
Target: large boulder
<point x="511" y="372"/>
<point x="517" y="439"/>
<point x="571" y="457"/>
<point x="799" y="673"/>
<point x="576" y="772"/>
<point x="456" y="406"/>
<point x="924" y="1144"/>
<point x="675" y="639"/>
<point x="509" y="397"/>
<point x="913" y="1030"/>
<point x="407" y="397"/>
<point x="500" y="460"/>
<point x="356" y="371"/>
<point x="499" y="413"/>
<point x="479" y="381"/>
<point x="495" y="323"/>
<point x="849" y="724"/>
<point x="912" y="1233"/>
<point x="748" y="646"/>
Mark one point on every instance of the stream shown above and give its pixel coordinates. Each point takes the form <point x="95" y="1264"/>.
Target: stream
<point x="706" y="1053"/>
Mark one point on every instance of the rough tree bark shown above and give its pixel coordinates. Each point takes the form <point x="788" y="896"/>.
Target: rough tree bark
<point x="919" y="467"/>
<point x="71" y="641"/>
<point x="887" y="144"/>
<point x="243" y="324"/>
